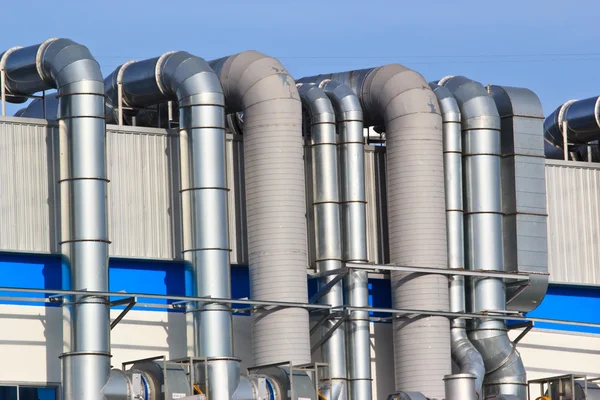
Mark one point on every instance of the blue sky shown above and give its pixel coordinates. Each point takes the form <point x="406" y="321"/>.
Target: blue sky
<point x="548" y="46"/>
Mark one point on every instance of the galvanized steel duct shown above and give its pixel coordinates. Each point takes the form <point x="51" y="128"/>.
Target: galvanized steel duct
<point x="189" y="80"/>
<point x="349" y="118"/>
<point x="583" y="123"/>
<point x="464" y="354"/>
<point x="400" y="99"/>
<point x="505" y="373"/>
<point x="261" y="88"/>
<point x="328" y="240"/>
<point x="72" y="70"/>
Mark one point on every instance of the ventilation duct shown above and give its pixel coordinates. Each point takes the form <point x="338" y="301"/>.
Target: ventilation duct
<point x="583" y="125"/>
<point x="483" y="234"/>
<point x="400" y="100"/>
<point x="261" y="88"/>
<point x="326" y="209"/>
<point x="464" y="354"/>
<point x="189" y="80"/>
<point x="72" y="70"/>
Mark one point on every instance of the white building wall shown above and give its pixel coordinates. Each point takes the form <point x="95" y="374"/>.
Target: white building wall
<point x="30" y="345"/>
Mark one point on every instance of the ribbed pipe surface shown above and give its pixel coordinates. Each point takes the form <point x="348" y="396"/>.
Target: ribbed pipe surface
<point x="72" y="70"/>
<point x="192" y="83"/>
<point x="401" y="100"/>
<point x="261" y="88"/>
<point x="505" y="373"/>
<point x="464" y="354"/>
<point x="327" y="220"/>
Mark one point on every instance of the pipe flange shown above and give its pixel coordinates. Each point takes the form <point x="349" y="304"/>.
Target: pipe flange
<point x="324" y="82"/>
<point x="6" y="54"/>
<point x="561" y="115"/>
<point x="157" y="71"/>
<point x="445" y="79"/>
<point x="39" y="61"/>
<point x="597" y="111"/>
<point x="120" y="77"/>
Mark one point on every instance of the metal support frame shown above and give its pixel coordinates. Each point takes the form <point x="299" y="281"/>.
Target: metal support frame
<point x="548" y="381"/>
<point x="130" y="301"/>
<point x="528" y="327"/>
<point x="329" y="333"/>
<point x="54" y="294"/>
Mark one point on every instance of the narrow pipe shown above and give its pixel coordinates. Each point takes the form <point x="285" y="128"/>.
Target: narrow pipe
<point x="190" y="80"/>
<point x="328" y="241"/>
<point x="505" y="373"/>
<point x="400" y="100"/>
<point x="72" y="70"/>
<point x="261" y="88"/>
<point x="464" y="354"/>
<point x="349" y="119"/>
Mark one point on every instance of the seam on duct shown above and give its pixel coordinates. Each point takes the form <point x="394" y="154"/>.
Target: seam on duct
<point x="401" y="99"/>
<point x="71" y="69"/>
<point x="261" y="88"/>
<point x="505" y="373"/>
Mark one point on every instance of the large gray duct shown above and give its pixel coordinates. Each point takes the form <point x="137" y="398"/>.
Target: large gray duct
<point x="464" y="354"/>
<point x="72" y="70"/>
<point x="401" y="100"/>
<point x="189" y="80"/>
<point x="505" y="373"/>
<point x="261" y="88"/>
<point x="328" y="237"/>
<point x="583" y="124"/>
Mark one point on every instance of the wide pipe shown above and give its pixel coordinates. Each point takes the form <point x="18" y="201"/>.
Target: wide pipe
<point x="192" y="83"/>
<point x="72" y="70"/>
<point x="505" y="373"/>
<point x="328" y="235"/>
<point x="261" y="88"/>
<point x="400" y="99"/>
<point x="582" y="118"/>
<point x="464" y="354"/>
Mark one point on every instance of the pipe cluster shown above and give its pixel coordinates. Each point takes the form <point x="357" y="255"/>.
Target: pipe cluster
<point x="444" y="192"/>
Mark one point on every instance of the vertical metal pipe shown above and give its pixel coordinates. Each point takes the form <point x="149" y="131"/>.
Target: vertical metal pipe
<point x="565" y="127"/>
<point x="70" y="68"/>
<point x="461" y="387"/>
<point x="354" y="240"/>
<point x="326" y="205"/>
<point x="464" y="353"/>
<point x="483" y="234"/>
<point x="189" y="79"/>
<point x="3" y="94"/>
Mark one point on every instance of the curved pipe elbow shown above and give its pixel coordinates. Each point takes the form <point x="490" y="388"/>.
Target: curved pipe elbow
<point x="315" y="101"/>
<point x="466" y="356"/>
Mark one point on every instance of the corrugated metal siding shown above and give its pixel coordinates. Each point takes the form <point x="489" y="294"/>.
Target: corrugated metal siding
<point x="140" y="162"/>
<point x="573" y="193"/>
<point x="27" y="185"/>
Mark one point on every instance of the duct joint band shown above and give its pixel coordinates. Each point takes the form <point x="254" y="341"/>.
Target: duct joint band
<point x="39" y="61"/>
<point x="325" y="202"/>
<point x="187" y="128"/>
<point x="85" y="353"/>
<point x="328" y="259"/>
<point x="481" y="154"/>
<point x="85" y="240"/>
<point x="206" y="248"/>
<point x="353" y="142"/>
<point x="322" y="144"/>
<point x="353" y="201"/>
<point x="83" y="179"/>
<point x="482" y="212"/>
<point x="225" y="189"/>
<point x="58" y="96"/>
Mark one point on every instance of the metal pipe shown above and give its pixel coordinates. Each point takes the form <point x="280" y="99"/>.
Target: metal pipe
<point x="400" y="100"/>
<point x="328" y="238"/>
<point x="189" y="80"/>
<point x="349" y="118"/>
<point x="70" y="68"/>
<point x="464" y="354"/>
<point x="261" y="88"/>
<point x="461" y="387"/>
<point x="505" y="373"/>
